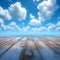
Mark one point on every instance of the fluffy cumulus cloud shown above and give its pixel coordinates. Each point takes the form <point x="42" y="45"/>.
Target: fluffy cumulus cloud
<point x="34" y="22"/>
<point x="31" y="16"/>
<point x="25" y="28"/>
<point x="17" y="11"/>
<point x="42" y="28"/>
<point x="58" y="23"/>
<point x="13" y="26"/>
<point x="58" y="26"/>
<point x="51" y="27"/>
<point x="4" y="14"/>
<point x="3" y="27"/>
<point x="39" y="29"/>
<point x="1" y="21"/>
<point x="46" y="9"/>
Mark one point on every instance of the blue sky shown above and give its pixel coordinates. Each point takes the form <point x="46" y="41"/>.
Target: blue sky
<point x="30" y="15"/>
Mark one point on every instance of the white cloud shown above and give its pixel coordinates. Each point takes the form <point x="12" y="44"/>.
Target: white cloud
<point x="34" y="29"/>
<point x="46" y="9"/>
<point x="3" y="27"/>
<point x="17" y="11"/>
<point x="31" y="16"/>
<point x="57" y="28"/>
<point x="36" y="0"/>
<point x="26" y="28"/>
<point x="54" y="26"/>
<point x="58" y="23"/>
<point x="13" y="26"/>
<point x="34" y="22"/>
<point x="4" y="14"/>
<point x="1" y="21"/>
<point x="51" y="27"/>
<point x="42" y="28"/>
<point x="39" y="29"/>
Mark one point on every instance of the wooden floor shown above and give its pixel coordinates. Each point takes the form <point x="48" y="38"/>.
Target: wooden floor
<point x="23" y="48"/>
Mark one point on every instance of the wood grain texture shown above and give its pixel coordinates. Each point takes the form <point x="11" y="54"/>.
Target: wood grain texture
<point x="23" y="48"/>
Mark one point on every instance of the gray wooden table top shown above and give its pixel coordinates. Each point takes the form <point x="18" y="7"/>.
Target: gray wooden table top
<point x="23" y="48"/>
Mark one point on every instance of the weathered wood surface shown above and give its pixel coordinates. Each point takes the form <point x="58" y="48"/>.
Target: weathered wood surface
<point x="23" y="48"/>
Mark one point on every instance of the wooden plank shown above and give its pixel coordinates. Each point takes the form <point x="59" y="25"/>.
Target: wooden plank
<point x="31" y="49"/>
<point x="36" y="51"/>
<point x="55" y="47"/>
<point x="15" y="52"/>
<point x="4" y="41"/>
<point x="39" y="46"/>
<point x="46" y="52"/>
<point x="8" y="46"/>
